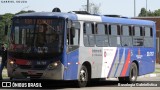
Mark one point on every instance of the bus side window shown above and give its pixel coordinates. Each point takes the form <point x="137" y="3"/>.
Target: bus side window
<point x="114" y="35"/>
<point x="126" y="36"/>
<point x="148" y="37"/>
<point x="73" y="35"/>
<point x="101" y="35"/>
<point x="138" y="38"/>
<point x="88" y="37"/>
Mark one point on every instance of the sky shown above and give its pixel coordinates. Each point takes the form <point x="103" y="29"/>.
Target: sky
<point x="117" y="7"/>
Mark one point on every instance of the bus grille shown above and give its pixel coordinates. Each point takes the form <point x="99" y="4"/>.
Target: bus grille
<point x="33" y="67"/>
<point x="37" y="75"/>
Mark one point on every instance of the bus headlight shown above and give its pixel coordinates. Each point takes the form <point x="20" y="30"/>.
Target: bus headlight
<point x="12" y="63"/>
<point x="54" y="65"/>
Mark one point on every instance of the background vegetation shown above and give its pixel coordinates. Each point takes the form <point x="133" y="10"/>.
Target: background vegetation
<point x="5" y="23"/>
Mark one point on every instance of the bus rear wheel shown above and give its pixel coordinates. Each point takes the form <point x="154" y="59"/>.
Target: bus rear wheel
<point x="133" y="73"/>
<point x="83" y="77"/>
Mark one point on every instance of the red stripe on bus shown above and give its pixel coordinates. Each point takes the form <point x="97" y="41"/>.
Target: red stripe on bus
<point x="21" y="62"/>
<point x="126" y="64"/>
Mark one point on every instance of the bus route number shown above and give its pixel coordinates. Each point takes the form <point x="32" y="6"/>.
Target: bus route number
<point x="150" y="53"/>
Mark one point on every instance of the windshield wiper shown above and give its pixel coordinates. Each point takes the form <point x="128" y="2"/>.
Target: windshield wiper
<point x="49" y="25"/>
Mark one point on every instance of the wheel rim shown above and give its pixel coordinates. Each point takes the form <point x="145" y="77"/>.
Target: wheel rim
<point x="83" y="75"/>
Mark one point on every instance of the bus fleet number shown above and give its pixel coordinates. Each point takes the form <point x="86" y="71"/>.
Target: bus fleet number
<point x="150" y="53"/>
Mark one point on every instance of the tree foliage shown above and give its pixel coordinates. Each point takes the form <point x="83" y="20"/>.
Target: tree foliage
<point x="21" y="12"/>
<point x="144" y="13"/>
<point x="5" y="20"/>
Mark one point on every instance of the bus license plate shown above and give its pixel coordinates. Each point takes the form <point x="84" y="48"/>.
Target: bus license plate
<point x="41" y="63"/>
<point x="31" y="72"/>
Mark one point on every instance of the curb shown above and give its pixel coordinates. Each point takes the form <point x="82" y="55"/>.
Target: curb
<point x="151" y="75"/>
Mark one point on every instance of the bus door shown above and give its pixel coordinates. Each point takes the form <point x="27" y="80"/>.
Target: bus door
<point x="72" y="53"/>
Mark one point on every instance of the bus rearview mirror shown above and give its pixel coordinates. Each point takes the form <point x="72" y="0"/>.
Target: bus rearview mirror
<point x="73" y="31"/>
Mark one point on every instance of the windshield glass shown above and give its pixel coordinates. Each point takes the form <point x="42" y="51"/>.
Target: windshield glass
<point x="37" y="35"/>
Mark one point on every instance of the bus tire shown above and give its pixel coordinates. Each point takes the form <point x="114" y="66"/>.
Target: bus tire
<point x="133" y="73"/>
<point x="122" y="79"/>
<point x="11" y="78"/>
<point x="83" y="77"/>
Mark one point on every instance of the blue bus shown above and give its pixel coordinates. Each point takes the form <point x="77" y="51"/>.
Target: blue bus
<point x="80" y="46"/>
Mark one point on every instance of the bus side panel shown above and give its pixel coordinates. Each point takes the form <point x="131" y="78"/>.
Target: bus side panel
<point x="109" y="56"/>
<point x="123" y="64"/>
<point x="146" y="63"/>
<point x="94" y="57"/>
<point x="71" y="70"/>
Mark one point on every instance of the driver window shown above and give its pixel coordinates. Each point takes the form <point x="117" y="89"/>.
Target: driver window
<point x="73" y="34"/>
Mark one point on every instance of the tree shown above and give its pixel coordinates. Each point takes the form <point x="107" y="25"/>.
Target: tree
<point x="93" y="8"/>
<point x="5" y="21"/>
<point x="157" y="12"/>
<point x="143" y="12"/>
<point x="149" y="13"/>
<point x="21" y="12"/>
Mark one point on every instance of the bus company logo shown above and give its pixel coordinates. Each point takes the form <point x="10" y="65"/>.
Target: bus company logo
<point x="139" y="56"/>
<point x="29" y="63"/>
<point x="6" y="84"/>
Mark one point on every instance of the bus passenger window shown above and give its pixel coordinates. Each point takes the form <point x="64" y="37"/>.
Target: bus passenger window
<point x="101" y="29"/>
<point x="114" y="30"/>
<point x="114" y="35"/>
<point x="101" y="37"/>
<point x="126" y="38"/>
<point x="88" y="36"/>
<point x="138" y="31"/>
<point x="148" y="37"/>
<point x="148" y="32"/>
<point x="138" y="38"/>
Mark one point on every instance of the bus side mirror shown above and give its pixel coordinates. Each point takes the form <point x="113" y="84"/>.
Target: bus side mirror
<point x="69" y="23"/>
<point x="73" y="31"/>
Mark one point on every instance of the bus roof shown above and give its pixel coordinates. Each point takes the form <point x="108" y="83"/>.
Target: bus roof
<point x="127" y="21"/>
<point x="49" y="14"/>
<point x="95" y="18"/>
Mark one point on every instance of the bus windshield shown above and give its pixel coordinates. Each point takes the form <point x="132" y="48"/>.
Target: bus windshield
<point x="37" y="35"/>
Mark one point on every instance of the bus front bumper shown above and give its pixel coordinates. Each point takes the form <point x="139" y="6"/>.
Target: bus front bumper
<point x="53" y="74"/>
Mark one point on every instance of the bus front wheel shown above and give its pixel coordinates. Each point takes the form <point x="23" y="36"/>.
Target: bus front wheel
<point x="83" y="77"/>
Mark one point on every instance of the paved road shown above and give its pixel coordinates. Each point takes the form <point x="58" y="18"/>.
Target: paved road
<point x="108" y="85"/>
<point x="112" y="85"/>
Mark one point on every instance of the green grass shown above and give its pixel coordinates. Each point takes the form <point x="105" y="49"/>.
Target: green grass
<point x="4" y="73"/>
<point x="157" y="70"/>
